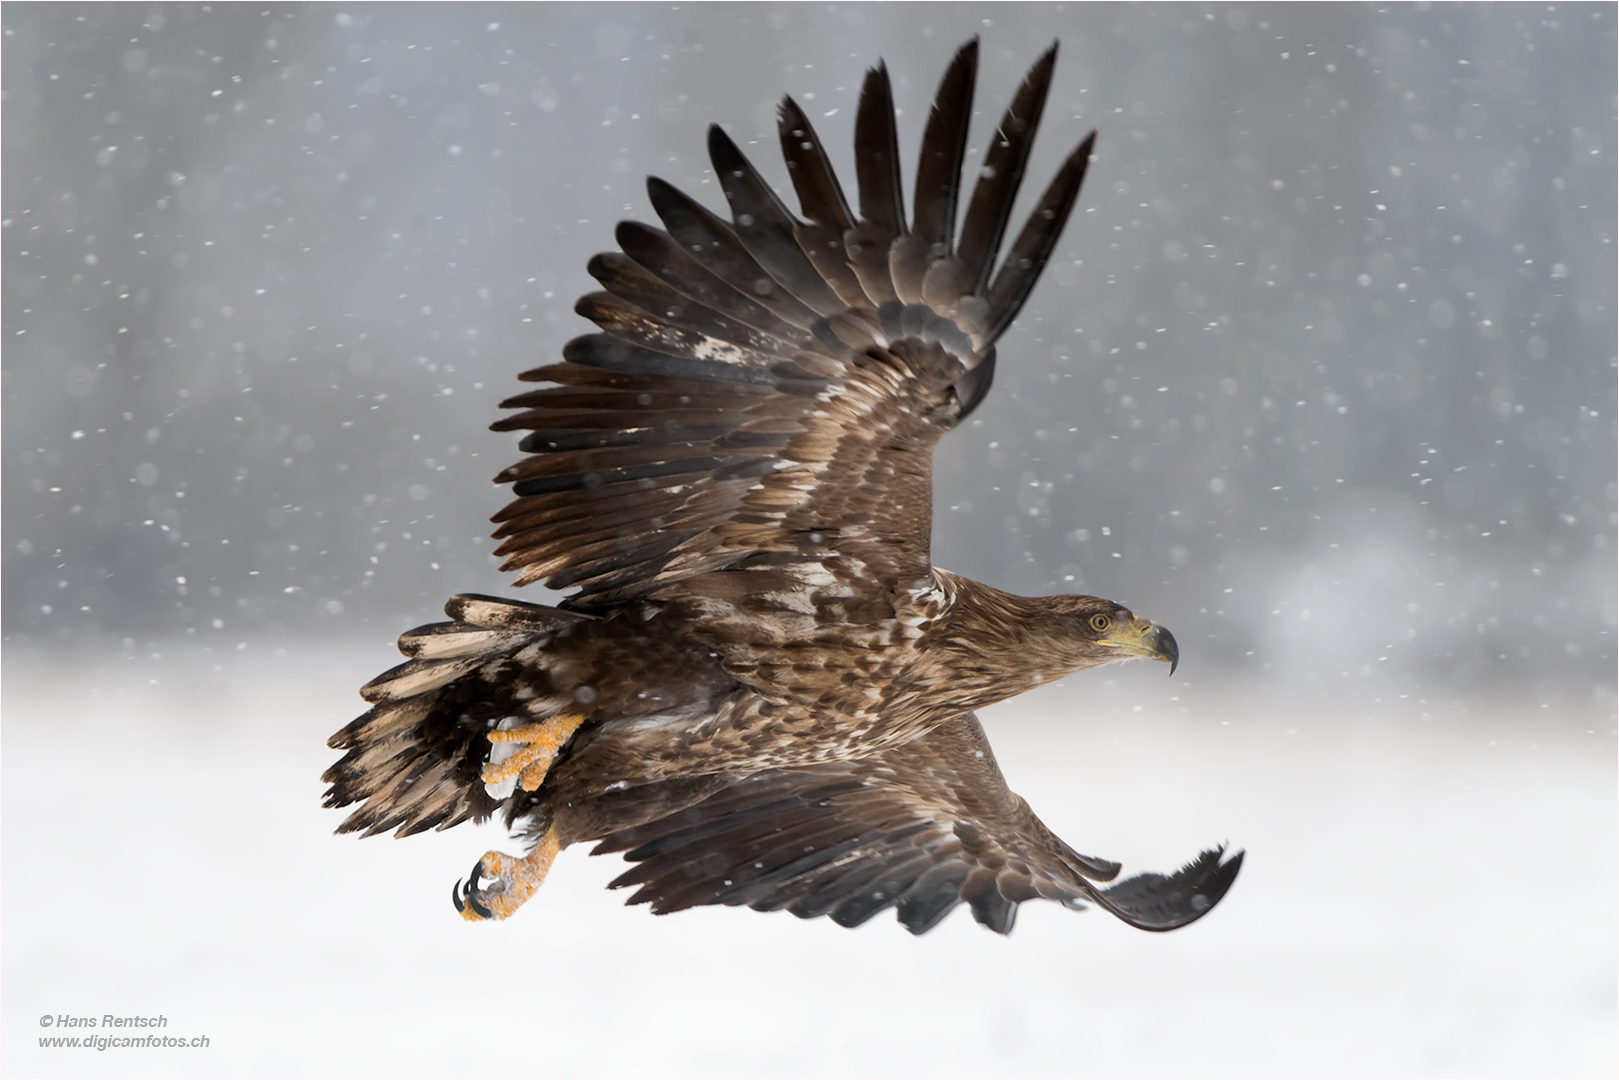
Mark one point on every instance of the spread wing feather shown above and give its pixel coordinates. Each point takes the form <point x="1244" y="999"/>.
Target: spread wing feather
<point x="882" y="203"/>
<point x="822" y="202"/>
<point x="767" y="228"/>
<point x="1002" y="172"/>
<point x="1034" y="244"/>
<point x="938" y="178"/>
<point x="944" y="146"/>
<point x="920" y="828"/>
<point x="770" y="378"/>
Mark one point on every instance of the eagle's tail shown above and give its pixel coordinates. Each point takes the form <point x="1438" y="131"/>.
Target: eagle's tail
<point x="443" y="742"/>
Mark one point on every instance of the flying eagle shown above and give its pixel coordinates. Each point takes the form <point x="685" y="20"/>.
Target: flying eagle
<point x="762" y="690"/>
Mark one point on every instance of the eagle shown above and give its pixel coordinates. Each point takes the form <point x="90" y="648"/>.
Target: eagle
<point x="761" y="690"/>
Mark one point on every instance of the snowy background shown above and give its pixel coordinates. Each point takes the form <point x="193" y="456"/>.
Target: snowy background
<point x="1322" y="377"/>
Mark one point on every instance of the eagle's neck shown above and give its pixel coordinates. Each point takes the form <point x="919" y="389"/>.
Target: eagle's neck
<point x="992" y="645"/>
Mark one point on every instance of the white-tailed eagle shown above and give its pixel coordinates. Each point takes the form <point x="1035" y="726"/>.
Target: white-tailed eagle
<point x="761" y="688"/>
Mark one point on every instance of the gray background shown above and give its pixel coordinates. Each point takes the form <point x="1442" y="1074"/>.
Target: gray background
<point x="1322" y="376"/>
<point x="1327" y="350"/>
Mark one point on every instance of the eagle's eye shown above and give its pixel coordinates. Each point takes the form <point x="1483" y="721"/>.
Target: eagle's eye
<point x="1100" y="623"/>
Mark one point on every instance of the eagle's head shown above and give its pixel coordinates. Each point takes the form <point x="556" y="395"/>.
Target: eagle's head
<point x="1087" y="631"/>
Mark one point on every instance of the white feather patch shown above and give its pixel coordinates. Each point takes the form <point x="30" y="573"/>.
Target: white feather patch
<point x="418" y="677"/>
<point x="465" y="642"/>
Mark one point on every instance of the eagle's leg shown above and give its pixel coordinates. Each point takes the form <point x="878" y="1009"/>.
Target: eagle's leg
<point x="508" y="881"/>
<point x="532" y="749"/>
<point x="501" y="883"/>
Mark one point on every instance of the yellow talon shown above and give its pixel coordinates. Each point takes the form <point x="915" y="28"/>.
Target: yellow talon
<point x="532" y="759"/>
<point x="509" y="881"/>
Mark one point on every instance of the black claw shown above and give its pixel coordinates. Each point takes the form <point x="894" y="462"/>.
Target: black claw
<point x="455" y="897"/>
<point x="472" y="892"/>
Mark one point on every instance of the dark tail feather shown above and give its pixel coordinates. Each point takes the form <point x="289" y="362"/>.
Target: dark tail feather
<point x="415" y="760"/>
<point x="1002" y="174"/>
<point x="1034" y="244"/>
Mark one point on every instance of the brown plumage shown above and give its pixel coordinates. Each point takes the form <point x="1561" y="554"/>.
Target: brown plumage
<point x="922" y="827"/>
<point x="762" y="689"/>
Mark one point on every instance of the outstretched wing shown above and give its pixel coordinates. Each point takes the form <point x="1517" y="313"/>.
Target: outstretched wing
<point x="776" y="383"/>
<point x="920" y="828"/>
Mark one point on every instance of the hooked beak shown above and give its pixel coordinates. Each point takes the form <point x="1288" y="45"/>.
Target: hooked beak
<point x="1145" y="639"/>
<point x="1163" y="646"/>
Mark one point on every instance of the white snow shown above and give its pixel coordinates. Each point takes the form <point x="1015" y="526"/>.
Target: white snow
<point x="1429" y="898"/>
